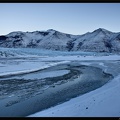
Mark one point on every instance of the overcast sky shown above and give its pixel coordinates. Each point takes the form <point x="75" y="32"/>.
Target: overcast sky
<point x="73" y="18"/>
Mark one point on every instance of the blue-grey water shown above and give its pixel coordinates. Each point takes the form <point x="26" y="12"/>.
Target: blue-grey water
<point x="22" y="95"/>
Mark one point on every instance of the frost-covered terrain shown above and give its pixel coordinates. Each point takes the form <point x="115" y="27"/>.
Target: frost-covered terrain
<point x="37" y="83"/>
<point x="102" y="102"/>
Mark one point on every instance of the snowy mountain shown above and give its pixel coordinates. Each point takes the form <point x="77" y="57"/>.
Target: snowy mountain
<point x="100" y="40"/>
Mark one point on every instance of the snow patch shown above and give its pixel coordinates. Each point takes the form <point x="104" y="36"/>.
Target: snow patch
<point x="15" y="72"/>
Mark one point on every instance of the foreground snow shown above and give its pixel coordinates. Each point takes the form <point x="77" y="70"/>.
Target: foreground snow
<point x="102" y="102"/>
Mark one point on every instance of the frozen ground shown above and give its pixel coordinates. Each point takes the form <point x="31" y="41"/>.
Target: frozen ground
<point x="34" y="79"/>
<point x="24" y="67"/>
<point x="102" y="102"/>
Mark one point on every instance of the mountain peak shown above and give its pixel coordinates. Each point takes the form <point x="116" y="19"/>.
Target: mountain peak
<point x="102" y="30"/>
<point x="51" y="30"/>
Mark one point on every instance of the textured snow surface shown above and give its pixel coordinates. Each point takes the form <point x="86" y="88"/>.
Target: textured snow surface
<point x="102" y="102"/>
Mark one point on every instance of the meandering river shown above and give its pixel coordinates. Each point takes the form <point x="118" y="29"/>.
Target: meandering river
<point x="22" y="95"/>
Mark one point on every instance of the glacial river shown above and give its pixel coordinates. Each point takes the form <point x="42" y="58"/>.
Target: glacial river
<point x="22" y="95"/>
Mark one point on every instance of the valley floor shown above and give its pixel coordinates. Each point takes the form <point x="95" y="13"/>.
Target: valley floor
<point x="101" y="102"/>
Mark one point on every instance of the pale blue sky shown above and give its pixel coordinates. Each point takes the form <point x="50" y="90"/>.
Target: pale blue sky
<point x="73" y="18"/>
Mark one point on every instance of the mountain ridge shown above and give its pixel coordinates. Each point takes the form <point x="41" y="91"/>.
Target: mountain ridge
<point x="100" y="40"/>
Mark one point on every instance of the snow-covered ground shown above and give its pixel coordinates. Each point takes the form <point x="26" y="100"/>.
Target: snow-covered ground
<point x="84" y="58"/>
<point x="25" y="67"/>
<point x="34" y="52"/>
<point x="102" y="102"/>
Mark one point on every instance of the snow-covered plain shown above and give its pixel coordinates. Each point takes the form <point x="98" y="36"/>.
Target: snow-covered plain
<point x="102" y="102"/>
